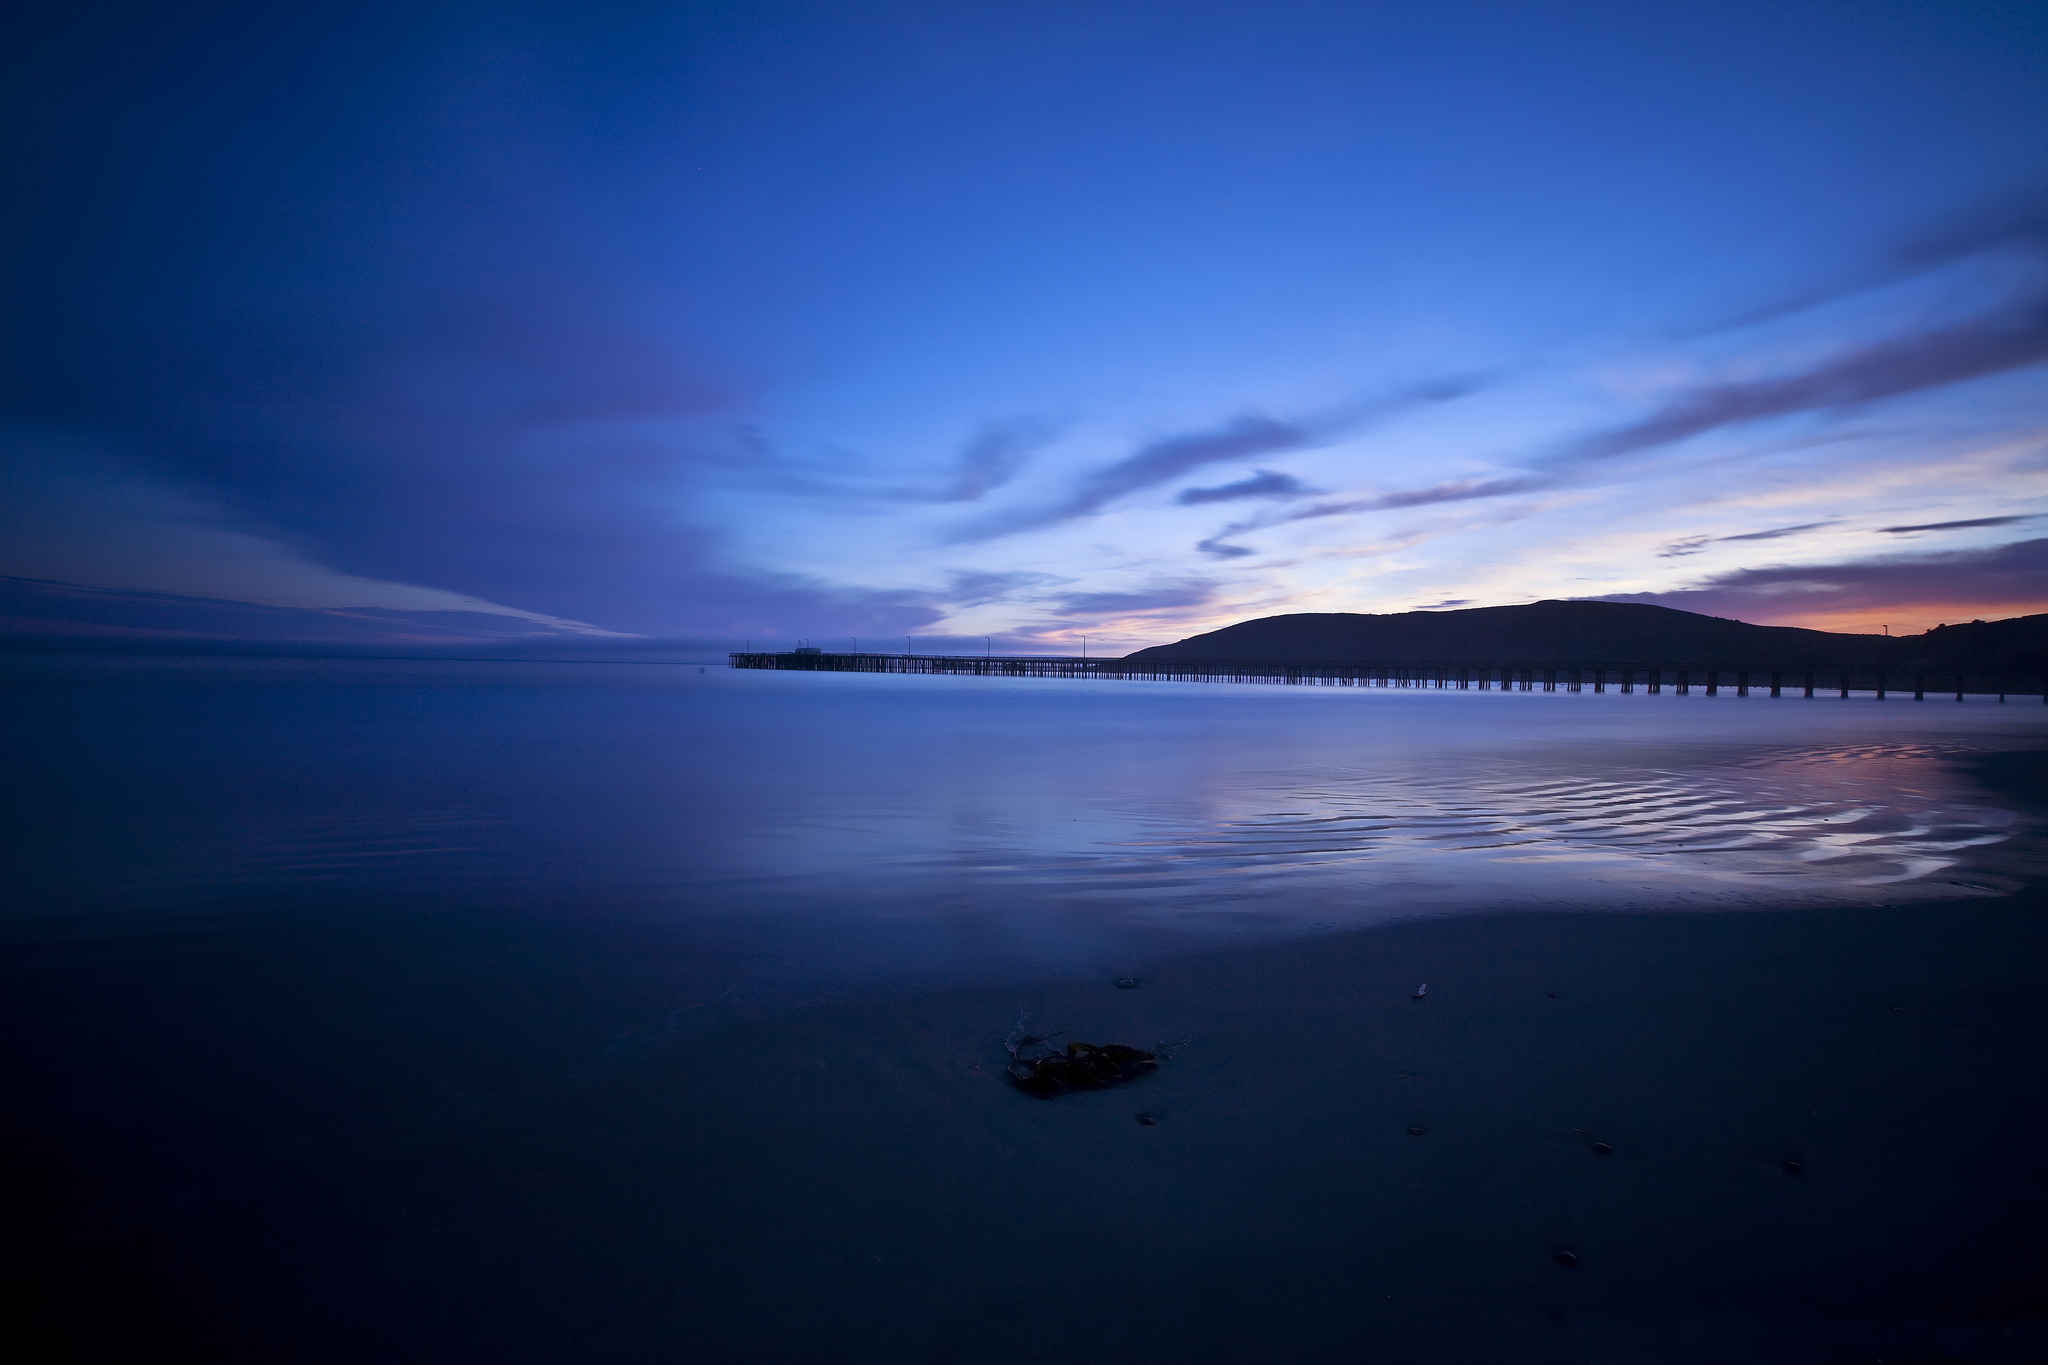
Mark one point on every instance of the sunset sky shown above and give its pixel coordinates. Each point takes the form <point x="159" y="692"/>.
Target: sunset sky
<point x="831" y="320"/>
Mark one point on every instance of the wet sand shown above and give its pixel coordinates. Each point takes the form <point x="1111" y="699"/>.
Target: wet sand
<point x="859" y="1182"/>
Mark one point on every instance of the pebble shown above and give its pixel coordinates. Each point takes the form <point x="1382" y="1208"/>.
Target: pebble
<point x="1794" y="1167"/>
<point x="1567" y="1259"/>
<point x="1126" y="983"/>
<point x="1602" y="1149"/>
<point x="1418" y="1130"/>
<point x="1147" y="1121"/>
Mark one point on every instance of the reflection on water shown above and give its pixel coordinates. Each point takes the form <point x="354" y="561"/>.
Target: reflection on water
<point x="1834" y="818"/>
<point x="162" y="784"/>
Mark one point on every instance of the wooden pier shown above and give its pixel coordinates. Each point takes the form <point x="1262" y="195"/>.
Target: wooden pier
<point x="1680" y="679"/>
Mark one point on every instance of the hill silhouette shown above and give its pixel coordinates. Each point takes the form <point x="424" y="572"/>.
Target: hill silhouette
<point x="1617" y="632"/>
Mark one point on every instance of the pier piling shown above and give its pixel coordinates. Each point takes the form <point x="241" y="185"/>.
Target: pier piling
<point x="1656" y="679"/>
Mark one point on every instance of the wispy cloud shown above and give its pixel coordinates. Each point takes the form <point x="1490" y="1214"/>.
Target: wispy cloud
<point x="1461" y="490"/>
<point x="1264" y="483"/>
<point x="2015" y="221"/>
<point x="1972" y="524"/>
<point x="2006" y="339"/>
<point x="1156" y="463"/>
<point x="993" y="457"/>
<point x="1243" y="437"/>
<point x="1692" y="545"/>
<point x="1994" y="343"/>
<point x="1162" y="597"/>
<point x="978" y="589"/>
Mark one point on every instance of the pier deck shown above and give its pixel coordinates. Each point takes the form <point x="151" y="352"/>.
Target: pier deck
<point x="1880" y="680"/>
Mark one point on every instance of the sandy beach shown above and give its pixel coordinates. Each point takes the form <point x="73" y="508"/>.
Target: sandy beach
<point x="861" y="1182"/>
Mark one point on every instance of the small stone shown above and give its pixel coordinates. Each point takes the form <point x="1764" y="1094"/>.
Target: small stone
<point x="974" y="1066"/>
<point x="1417" y="1131"/>
<point x="1567" y="1259"/>
<point x="1127" y="983"/>
<point x="1147" y="1121"/>
<point x="1794" y="1167"/>
<point x="1551" y="996"/>
<point x="1602" y="1149"/>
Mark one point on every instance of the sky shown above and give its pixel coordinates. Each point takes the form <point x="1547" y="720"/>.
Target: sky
<point x="913" y="324"/>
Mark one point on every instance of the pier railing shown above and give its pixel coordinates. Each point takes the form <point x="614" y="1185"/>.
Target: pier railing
<point x="1880" y="680"/>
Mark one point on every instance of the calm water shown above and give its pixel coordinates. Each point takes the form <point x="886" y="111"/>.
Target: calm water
<point x="973" y="825"/>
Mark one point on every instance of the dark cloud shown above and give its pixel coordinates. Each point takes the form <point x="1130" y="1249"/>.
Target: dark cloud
<point x="1971" y="524"/>
<point x="2004" y="580"/>
<point x="1263" y="484"/>
<point x="1240" y="438"/>
<point x="1447" y="602"/>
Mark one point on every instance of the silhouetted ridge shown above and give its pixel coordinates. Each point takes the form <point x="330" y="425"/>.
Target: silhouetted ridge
<point x="1618" y="632"/>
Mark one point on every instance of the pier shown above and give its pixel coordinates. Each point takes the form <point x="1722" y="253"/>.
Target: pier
<point x="1679" y="679"/>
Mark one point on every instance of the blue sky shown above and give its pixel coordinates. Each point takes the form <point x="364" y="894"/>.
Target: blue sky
<point x="942" y="320"/>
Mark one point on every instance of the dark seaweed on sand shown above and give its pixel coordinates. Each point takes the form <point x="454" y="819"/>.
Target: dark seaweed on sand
<point x="1039" y="1066"/>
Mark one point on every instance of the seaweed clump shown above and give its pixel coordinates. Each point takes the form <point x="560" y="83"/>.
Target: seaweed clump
<point x="1043" y="1068"/>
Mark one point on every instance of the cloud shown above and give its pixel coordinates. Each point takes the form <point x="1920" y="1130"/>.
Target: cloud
<point x="87" y="523"/>
<point x="993" y="457"/>
<point x="1459" y="490"/>
<point x="41" y="607"/>
<point x="2006" y="339"/>
<point x="1447" y="602"/>
<point x="1264" y="483"/>
<point x="2014" y="221"/>
<point x="1240" y="438"/>
<point x="1692" y="545"/>
<point x="520" y="449"/>
<point x="1215" y="545"/>
<point x="2003" y="580"/>
<point x="978" y="589"/>
<point x="1162" y="598"/>
<point x="1778" y="532"/>
<point x="1971" y="524"/>
<point x="1251" y="434"/>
